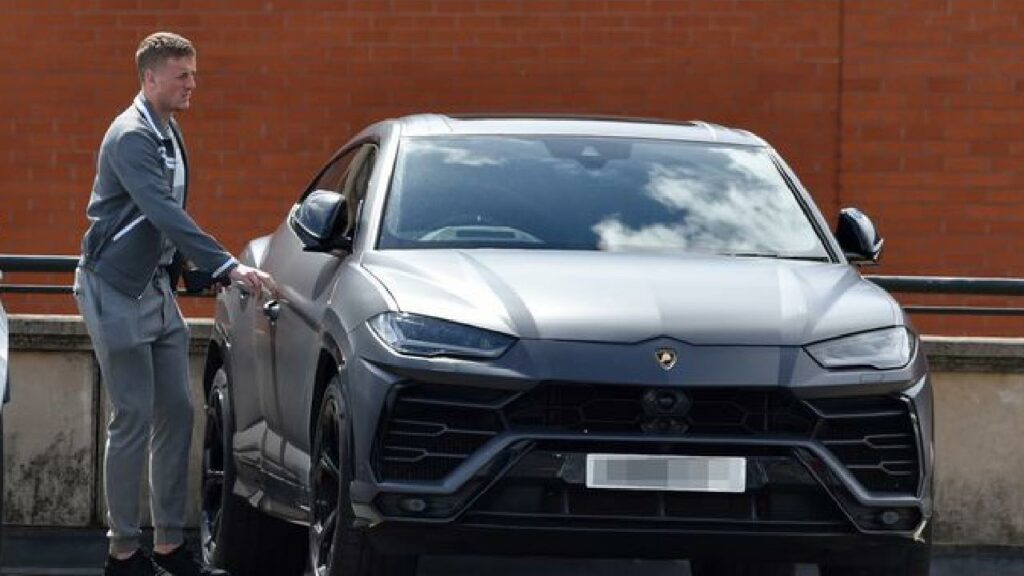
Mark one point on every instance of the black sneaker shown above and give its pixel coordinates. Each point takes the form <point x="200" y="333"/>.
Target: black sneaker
<point x="137" y="564"/>
<point x="182" y="563"/>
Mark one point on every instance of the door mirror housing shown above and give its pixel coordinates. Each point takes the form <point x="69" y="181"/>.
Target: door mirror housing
<point x="321" y="222"/>
<point x="858" y="237"/>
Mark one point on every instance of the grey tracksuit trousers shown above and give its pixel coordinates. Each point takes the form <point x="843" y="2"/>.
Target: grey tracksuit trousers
<point x="142" y="348"/>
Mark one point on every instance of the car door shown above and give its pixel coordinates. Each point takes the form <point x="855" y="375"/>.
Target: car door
<point x="248" y="367"/>
<point x="304" y="282"/>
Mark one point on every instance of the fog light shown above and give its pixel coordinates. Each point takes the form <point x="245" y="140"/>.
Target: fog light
<point x="414" y="505"/>
<point x="890" y="517"/>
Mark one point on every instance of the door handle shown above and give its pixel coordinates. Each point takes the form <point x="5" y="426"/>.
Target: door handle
<point x="272" y="309"/>
<point x="243" y="290"/>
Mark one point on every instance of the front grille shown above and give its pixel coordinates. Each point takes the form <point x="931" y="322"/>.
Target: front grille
<point x="873" y="437"/>
<point x="595" y="408"/>
<point x="430" y="429"/>
<point x="539" y="491"/>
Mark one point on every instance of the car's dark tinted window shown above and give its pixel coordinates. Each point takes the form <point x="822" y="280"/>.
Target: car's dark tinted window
<point x="333" y="176"/>
<point x="347" y="175"/>
<point x="593" y="194"/>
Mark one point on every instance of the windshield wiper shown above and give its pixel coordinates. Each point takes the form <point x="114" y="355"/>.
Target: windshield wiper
<point x="778" y="256"/>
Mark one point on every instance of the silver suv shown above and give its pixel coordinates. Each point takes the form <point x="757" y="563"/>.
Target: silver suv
<point x="565" y="336"/>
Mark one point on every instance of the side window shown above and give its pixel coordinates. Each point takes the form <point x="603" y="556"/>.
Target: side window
<point x="356" y="183"/>
<point x="358" y="177"/>
<point x="333" y="176"/>
<point x="349" y="176"/>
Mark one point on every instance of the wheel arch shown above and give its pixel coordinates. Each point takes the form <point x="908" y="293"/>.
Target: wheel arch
<point x="328" y="363"/>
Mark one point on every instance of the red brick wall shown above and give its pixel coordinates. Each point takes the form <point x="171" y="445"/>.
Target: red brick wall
<point x="932" y="144"/>
<point x="906" y="108"/>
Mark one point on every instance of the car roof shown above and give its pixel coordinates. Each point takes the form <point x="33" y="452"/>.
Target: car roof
<point x="568" y="125"/>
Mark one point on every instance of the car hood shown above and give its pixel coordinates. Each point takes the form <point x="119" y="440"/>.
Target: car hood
<point x="631" y="297"/>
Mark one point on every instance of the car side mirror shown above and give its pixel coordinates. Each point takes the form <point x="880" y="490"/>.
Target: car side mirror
<point x="320" y="222"/>
<point x="858" y="237"/>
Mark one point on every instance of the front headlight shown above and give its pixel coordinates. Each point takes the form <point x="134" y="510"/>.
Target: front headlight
<point x="425" y="336"/>
<point x="883" y="349"/>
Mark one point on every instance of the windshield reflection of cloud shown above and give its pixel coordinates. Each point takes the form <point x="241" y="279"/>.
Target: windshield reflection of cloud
<point x="740" y="205"/>
<point x="458" y="155"/>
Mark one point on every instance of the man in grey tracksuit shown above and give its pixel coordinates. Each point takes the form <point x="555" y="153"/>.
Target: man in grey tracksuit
<point x="137" y="242"/>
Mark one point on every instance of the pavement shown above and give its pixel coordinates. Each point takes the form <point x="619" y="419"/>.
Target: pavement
<point x="80" y="552"/>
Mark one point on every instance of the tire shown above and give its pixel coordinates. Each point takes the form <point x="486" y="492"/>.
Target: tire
<point x="234" y="535"/>
<point x="336" y="547"/>
<point x="718" y="567"/>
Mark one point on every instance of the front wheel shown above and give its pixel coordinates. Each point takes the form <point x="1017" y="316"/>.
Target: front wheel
<point x="336" y="547"/>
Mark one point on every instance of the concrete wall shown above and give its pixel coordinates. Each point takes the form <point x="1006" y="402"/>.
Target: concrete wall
<point x="54" y="429"/>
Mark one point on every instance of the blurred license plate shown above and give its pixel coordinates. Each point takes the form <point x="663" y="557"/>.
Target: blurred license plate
<point x="675" y="473"/>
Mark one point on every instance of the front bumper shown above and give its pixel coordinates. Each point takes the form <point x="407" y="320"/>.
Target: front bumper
<point x="446" y="463"/>
<point x="830" y="548"/>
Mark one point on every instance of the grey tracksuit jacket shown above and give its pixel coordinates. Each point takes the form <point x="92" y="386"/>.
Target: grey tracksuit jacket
<point x="132" y="207"/>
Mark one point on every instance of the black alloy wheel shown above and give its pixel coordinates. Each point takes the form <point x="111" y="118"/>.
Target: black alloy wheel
<point x="212" y="480"/>
<point x="325" y="484"/>
<point x="336" y="546"/>
<point x="235" y="535"/>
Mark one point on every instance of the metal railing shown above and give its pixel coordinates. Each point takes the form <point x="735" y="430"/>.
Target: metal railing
<point x="957" y="286"/>
<point x="894" y="284"/>
<point x="47" y="263"/>
<point x="36" y="263"/>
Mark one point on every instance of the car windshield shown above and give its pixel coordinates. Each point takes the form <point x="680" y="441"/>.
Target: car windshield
<point x="582" y="193"/>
